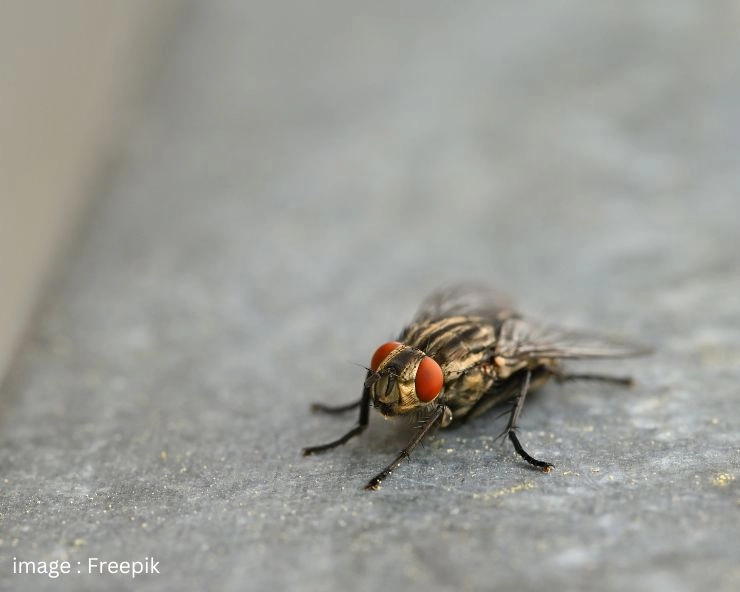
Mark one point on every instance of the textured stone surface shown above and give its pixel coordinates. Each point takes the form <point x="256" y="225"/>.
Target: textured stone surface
<point x="299" y="181"/>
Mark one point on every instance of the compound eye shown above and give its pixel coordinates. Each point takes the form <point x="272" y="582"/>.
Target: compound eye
<point x="382" y="353"/>
<point x="429" y="380"/>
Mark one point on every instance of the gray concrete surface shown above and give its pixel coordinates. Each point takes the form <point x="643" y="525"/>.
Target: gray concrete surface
<point x="299" y="180"/>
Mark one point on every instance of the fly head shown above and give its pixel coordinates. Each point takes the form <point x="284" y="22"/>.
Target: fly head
<point x="402" y="379"/>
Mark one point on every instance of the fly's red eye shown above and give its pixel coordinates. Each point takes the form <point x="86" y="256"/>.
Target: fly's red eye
<point x="382" y="353"/>
<point x="429" y="380"/>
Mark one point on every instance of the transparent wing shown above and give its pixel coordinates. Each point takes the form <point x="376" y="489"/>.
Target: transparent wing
<point x="520" y="338"/>
<point x="469" y="299"/>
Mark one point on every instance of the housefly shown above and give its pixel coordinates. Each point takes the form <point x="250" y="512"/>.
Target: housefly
<point x="466" y="351"/>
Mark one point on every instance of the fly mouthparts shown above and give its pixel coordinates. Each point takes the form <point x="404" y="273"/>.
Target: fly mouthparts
<point x="372" y="379"/>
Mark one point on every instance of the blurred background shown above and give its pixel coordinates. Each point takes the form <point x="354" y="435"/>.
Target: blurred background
<point x="71" y="75"/>
<point x="212" y="213"/>
<point x="472" y="109"/>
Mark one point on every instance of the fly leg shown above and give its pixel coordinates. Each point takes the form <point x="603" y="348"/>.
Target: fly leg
<point x="627" y="381"/>
<point x="332" y="409"/>
<point x="437" y="416"/>
<point x="511" y="427"/>
<point x="364" y="404"/>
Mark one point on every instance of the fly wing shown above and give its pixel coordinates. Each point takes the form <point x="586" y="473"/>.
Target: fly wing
<point x="519" y="337"/>
<point x="465" y="299"/>
<point x="523" y="339"/>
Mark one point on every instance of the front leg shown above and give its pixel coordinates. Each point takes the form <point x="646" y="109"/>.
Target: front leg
<point x="439" y="414"/>
<point x="334" y="409"/>
<point x="362" y="422"/>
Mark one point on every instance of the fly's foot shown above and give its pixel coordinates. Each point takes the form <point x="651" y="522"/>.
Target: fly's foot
<point x="373" y="484"/>
<point x="545" y="467"/>
<point x="311" y="450"/>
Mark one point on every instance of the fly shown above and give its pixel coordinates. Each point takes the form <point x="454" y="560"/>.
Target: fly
<point x="466" y="351"/>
